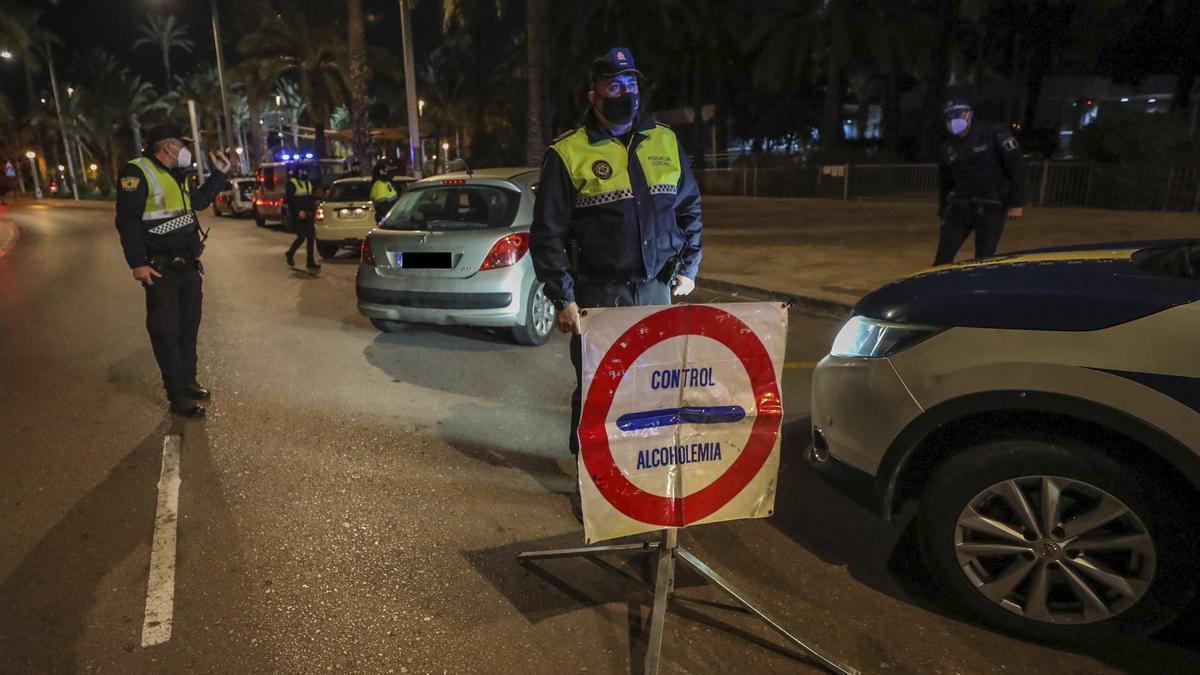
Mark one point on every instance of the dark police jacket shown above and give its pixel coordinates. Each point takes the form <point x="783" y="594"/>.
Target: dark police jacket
<point x="137" y="240"/>
<point x="300" y="202"/>
<point x="626" y="217"/>
<point x="986" y="163"/>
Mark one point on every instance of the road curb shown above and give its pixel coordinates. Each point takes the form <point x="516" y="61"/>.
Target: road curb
<point x="9" y="234"/>
<point x="812" y="304"/>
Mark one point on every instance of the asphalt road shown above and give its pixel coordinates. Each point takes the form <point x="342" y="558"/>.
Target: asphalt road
<point x="355" y="500"/>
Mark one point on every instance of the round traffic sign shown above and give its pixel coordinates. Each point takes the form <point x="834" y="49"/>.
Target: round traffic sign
<point x="608" y="478"/>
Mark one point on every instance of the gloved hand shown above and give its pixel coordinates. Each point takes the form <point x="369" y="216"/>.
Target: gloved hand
<point x="683" y="285"/>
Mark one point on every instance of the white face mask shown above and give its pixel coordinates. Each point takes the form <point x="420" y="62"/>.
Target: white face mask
<point x="184" y="159"/>
<point x="958" y="126"/>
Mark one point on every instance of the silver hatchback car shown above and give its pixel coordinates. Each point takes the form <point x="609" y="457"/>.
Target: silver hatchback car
<point x="453" y="250"/>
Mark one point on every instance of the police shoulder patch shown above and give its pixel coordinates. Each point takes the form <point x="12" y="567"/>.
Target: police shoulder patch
<point x="562" y="136"/>
<point x="602" y="169"/>
<point x="1009" y="143"/>
<point x="130" y="183"/>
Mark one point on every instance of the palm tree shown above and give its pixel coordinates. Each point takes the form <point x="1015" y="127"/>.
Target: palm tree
<point x="114" y="98"/>
<point x="535" y="73"/>
<point x="255" y="79"/>
<point x="305" y="46"/>
<point x="360" y="75"/>
<point x="166" y="33"/>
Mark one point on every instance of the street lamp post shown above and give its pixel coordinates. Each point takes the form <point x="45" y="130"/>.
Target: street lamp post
<point x="61" y="127"/>
<point x="410" y="88"/>
<point x="37" y="186"/>
<point x="221" y="74"/>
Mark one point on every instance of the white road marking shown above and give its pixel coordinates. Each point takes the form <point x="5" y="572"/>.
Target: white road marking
<point x="160" y="592"/>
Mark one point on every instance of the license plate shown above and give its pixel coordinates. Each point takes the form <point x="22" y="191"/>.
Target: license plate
<point x="421" y="260"/>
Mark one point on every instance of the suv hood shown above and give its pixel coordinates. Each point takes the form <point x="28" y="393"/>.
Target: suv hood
<point x="1086" y="287"/>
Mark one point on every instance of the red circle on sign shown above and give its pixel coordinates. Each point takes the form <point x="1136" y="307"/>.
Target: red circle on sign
<point x="618" y="490"/>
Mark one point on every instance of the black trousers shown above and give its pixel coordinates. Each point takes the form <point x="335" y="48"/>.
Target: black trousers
<point x="173" y="320"/>
<point x="962" y="216"/>
<point x="635" y="294"/>
<point x="306" y="234"/>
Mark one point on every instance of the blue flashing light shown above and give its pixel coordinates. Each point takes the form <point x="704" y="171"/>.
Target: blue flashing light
<point x="308" y="155"/>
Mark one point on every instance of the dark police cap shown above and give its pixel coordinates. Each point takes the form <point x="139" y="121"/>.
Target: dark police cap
<point x="617" y="61"/>
<point x="956" y="107"/>
<point x="162" y="132"/>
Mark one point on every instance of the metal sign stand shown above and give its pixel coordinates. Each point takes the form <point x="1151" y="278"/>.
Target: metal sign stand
<point x="667" y="551"/>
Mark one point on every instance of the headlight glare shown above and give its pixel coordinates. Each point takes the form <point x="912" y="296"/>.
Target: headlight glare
<point x="865" y="338"/>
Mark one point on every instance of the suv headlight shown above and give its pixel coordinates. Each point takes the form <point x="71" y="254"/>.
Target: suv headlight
<point x="865" y="338"/>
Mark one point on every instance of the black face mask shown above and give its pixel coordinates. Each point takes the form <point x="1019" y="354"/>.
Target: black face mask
<point x="620" y="109"/>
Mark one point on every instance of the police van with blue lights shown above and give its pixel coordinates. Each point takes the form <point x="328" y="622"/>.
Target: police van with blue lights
<point x="1043" y="409"/>
<point x="271" y="183"/>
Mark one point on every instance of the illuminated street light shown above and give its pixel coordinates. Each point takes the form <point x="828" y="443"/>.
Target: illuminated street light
<point x="70" y="91"/>
<point x="31" y="154"/>
<point x="5" y="54"/>
<point x="37" y="187"/>
<point x="238" y="150"/>
<point x="445" y="147"/>
<point x="421" y="107"/>
<point x="93" y="166"/>
<point x="43" y="100"/>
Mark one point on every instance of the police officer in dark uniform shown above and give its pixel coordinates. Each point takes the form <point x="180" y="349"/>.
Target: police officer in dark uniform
<point x="981" y="175"/>
<point x="617" y="193"/>
<point x="302" y="205"/>
<point x="161" y="239"/>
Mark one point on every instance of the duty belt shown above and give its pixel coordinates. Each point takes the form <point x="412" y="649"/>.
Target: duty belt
<point x="177" y="223"/>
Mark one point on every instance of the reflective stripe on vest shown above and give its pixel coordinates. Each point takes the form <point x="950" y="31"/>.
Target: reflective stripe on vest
<point x="161" y="204"/>
<point x="303" y="187"/>
<point x="382" y="190"/>
<point x="600" y="171"/>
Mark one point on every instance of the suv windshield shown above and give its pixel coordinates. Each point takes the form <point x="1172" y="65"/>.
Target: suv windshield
<point x="355" y="190"/>
<point x="453" y="207"/>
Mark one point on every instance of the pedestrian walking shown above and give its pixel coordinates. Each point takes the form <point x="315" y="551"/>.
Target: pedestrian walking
<point x="618" y="192"/>
<point x="162" y="242"/>
<point x="981" y="176"/>
<point x="383" y="193"/>
<point x="301" y="205"/>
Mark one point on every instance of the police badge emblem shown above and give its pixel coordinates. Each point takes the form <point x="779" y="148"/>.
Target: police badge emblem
<point x="602" y="169"/>
<point x="130" y="183"/>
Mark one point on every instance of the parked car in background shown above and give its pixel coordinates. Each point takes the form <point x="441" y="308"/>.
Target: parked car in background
<point x="237" y="199"/>
<point x="1044" y="410"/>
<point x="272" y="178"/>
<point x="346" y="215"/>
<point x="454" y="251"/>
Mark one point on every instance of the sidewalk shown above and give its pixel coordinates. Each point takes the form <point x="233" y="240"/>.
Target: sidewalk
<point x="829" y="253"/>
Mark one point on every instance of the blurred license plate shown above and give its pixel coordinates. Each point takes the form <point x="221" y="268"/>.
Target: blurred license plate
<point x="421" y="260"/>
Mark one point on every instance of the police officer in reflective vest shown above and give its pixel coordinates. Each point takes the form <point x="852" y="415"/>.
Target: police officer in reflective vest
<point x="160" y="236"/>
<point x="981" y="175"/>
<point x="302" y="206"/>
<point x="383" y="193"/>
<point x="619" y="194"/>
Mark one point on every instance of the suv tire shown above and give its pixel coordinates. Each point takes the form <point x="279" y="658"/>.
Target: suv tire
<point x="1147" y="532"/>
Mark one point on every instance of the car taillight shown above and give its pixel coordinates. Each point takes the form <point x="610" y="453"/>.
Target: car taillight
<point x="507" y="251"/>
<point x="368" y="258"/>
<point x="320" y="213"/>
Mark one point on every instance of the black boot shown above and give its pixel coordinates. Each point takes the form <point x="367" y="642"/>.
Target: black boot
<point x="192" y="411"/>
<point x="291" y="261"/>
<point x="197" y="392"/>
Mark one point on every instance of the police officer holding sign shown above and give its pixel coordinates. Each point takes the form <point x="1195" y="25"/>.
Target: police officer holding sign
<point x="619" y="194"/>
<point x="981" y="175"/>
<point x="162" y="242"/>
<point x="302" y="205"/>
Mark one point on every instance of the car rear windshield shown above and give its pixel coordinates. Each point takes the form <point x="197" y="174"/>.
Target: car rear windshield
<point x="453" y="207"/>
<point x="357" y="190"/>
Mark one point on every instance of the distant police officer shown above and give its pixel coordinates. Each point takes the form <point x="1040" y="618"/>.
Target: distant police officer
<point x="302" y="205"/>
<point x="618" y="192"/>
<point x="982" y="178"/>
<point x="160" y="235"/>
<point x="383" y="193"/>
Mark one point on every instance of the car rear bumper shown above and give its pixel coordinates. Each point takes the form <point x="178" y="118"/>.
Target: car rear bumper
<point x="495" y="298"/>
<point x="332" y="230"/>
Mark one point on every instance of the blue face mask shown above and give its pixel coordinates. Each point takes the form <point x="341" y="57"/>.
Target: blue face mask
<point x="959" y="126"/>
